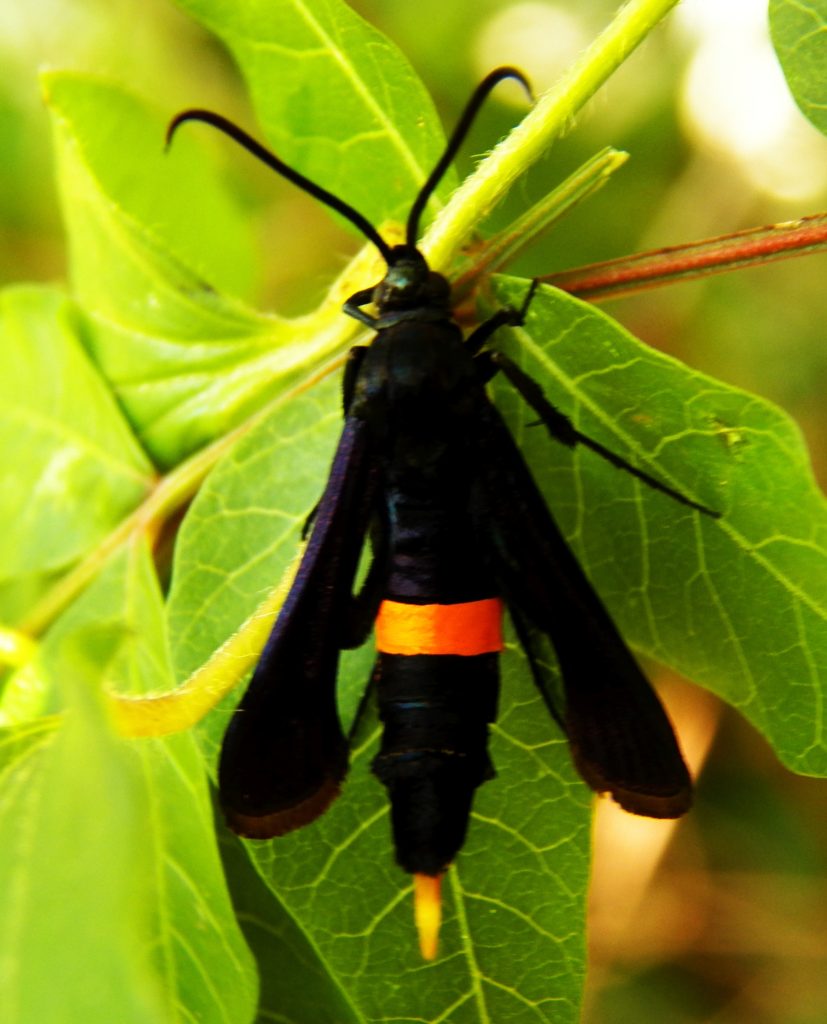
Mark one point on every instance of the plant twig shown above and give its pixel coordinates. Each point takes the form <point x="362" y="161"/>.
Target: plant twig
<point x="627" y="275"/>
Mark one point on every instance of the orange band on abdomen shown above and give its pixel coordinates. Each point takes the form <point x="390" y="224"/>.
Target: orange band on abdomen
<point x="470" y="627"/>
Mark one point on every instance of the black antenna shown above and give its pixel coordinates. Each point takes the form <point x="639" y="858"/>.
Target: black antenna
<point x="269" y="158"/>
<point x="478" y="97"/>
<point x="280" y="167"/>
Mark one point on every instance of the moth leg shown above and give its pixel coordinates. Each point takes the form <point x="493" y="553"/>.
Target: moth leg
<point x="364" y="606"/>
<point x="507" y="317"/>
<point x="561" y="428"/>
<point x="362" y="716"/>
<point x="485" y="366"/>
<point x="353" y="307"/>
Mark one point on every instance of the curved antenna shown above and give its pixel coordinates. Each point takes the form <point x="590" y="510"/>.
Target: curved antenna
<point x="280" y="167"/>
<point x="478" y="97"/>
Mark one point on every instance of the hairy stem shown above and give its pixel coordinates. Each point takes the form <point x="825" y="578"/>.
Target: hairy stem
<point x="547" y="120"/>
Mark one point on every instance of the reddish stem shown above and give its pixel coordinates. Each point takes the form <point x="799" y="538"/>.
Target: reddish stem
<point x="629" y="274"/>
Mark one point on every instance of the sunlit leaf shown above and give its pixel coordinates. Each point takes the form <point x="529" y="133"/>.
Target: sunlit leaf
<point x="71" y="467"/>
<point x="120" y="883"/>
<point x="186" y="361"/>
<point x="739" y="603"/>
<point x="74" y="867"/>
<point x="335" y="97"/>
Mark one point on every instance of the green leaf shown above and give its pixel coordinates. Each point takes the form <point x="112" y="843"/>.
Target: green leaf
<point x="335" y="97"/>
<point x="738" y="604"/>
<point x="74" y="870"/>
<point x="122" y="819"/>
<point x="186" y="362"/>
<point x="272" y="478"/>
<point x="301" y="989"/>
<point x="70" y="461"/>
<point x="799" y="34"/>
<point x="119" y="139"/>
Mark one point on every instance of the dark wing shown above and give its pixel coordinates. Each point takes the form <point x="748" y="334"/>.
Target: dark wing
<point x="621" y="739"/>
<point x="284" y="753"/>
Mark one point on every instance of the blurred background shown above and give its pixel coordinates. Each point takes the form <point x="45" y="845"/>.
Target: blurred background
<point x="720" y="919"/>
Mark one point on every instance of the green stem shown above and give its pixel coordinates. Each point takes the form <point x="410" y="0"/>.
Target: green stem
<point x="547" y="120"/>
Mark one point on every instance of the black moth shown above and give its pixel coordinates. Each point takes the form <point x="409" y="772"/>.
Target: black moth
<point x="427" y="469"/>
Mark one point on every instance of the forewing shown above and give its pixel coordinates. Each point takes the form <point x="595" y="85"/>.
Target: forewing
<point x="284" y="754"/>
<point x="621" y="739"/>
